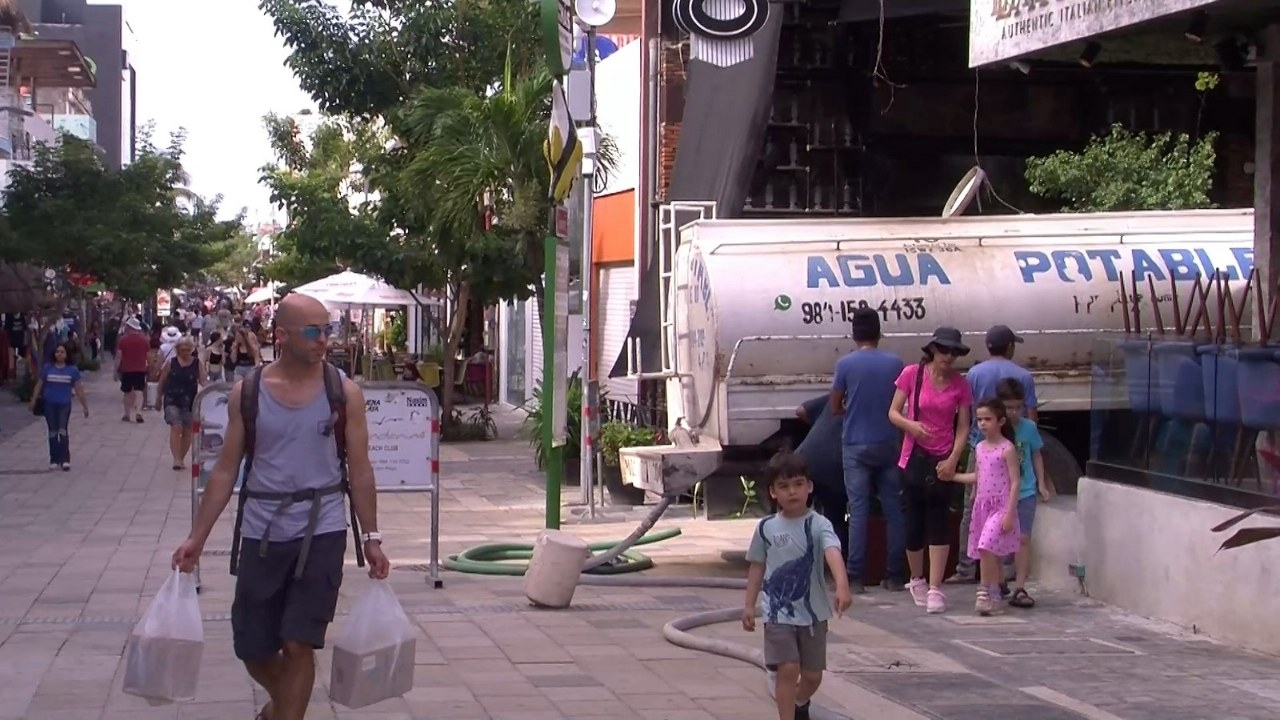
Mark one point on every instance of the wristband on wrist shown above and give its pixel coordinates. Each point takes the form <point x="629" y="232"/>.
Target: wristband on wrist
<point x="366" y="537"/>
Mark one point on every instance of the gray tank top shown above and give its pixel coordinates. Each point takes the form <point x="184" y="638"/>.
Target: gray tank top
<point x="293" y="453"/>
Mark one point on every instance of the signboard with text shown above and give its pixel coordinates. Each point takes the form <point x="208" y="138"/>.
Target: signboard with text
<point x="1001" y="30"/>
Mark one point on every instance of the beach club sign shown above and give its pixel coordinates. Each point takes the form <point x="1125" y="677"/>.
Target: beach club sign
<point x="1003" y="30"/>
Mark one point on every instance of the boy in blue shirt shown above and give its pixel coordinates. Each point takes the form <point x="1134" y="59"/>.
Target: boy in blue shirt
<point x="788" y="550"/>
<point x="1027" y="440"/>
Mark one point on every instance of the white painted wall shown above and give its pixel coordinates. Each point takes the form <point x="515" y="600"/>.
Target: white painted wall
<point x="618" y="83"/>
<point x="1152" y="554"/>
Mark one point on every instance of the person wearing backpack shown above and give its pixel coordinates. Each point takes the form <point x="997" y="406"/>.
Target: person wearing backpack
<point x="300" y="429"/>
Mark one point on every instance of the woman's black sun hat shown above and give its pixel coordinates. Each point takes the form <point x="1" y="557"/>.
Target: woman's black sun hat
<point x="947" y="338"/>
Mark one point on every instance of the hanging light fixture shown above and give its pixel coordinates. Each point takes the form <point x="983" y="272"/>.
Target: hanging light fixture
<point x="1090" y="54"/>
<point x="1196" y="29"/>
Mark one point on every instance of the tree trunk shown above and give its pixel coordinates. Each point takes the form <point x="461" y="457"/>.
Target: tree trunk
<point x="457" y="324"/>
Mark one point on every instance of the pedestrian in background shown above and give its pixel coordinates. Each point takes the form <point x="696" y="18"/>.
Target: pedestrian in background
<point x="59" y="381"/>
<point x="180" y="382"/>
<point x="861" y="394"/>
<point x="983" y="379"/>
<point x="931" y="401"/>
<point x="131" y="368"/>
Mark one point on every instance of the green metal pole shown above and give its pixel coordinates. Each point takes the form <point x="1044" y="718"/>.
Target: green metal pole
<point x="555" y="453"/>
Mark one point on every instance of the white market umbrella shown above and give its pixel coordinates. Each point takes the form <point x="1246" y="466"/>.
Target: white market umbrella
<point x="264" y="294"/>
<point x="349" y="289"/>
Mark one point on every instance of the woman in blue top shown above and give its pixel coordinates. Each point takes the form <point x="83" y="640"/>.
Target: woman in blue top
<point x="58" y="382"/>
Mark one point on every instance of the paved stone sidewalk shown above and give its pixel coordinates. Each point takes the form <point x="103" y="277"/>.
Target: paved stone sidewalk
<point x="86" y="550"/>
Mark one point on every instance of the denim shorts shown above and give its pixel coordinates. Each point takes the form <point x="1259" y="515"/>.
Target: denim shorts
<point x="1027" y="514"/>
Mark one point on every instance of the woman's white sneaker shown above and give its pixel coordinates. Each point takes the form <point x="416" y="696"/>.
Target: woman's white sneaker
<point x="935" y="601"/>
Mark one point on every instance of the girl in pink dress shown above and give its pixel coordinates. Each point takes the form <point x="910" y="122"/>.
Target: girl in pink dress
<point x="994" y="531"/>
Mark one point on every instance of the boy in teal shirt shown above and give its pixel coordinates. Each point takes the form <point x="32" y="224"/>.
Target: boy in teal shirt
<point x="787" y="553"/>
<point x="1027" y="440"/>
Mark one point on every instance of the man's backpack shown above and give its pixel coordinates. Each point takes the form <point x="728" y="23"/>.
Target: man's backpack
<point x="250" y="388"/>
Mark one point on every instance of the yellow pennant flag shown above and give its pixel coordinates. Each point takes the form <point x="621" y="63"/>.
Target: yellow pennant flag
<point x="563" y="149"/>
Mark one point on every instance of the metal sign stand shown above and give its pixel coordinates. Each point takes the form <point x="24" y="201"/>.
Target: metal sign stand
<point x="206" y="433"/>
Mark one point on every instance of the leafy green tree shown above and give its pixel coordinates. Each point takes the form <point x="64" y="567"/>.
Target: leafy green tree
<point x="133" y="229"/>
<point x="236" y="266"/>
<point x="1128" y="171"/>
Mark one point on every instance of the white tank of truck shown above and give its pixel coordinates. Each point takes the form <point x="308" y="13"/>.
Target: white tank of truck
<point x="757" y="311"/>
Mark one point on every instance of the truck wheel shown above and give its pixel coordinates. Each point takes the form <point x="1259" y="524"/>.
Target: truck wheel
<point x="1060" y="465"/>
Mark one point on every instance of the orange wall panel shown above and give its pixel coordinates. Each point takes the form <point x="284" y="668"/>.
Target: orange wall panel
<point x="613" y="231"/>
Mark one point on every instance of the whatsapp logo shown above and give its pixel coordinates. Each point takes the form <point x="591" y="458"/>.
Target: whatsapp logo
<point x="782" y="303"/>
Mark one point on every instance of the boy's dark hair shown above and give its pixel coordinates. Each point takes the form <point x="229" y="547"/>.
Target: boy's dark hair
<point x="1010" y="389"/>
<point x="786" y="465"/>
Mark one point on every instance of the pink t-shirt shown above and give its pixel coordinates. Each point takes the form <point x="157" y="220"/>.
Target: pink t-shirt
<point x="938" y="410"/>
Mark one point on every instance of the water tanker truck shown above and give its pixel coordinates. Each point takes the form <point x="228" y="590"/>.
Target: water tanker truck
<point x="756" y="313"/>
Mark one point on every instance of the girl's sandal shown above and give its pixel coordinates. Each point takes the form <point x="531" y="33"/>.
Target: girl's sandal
<point x="1022" y="599"/>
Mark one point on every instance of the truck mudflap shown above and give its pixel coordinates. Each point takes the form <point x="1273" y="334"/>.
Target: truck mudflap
<point x="673" y="468"/>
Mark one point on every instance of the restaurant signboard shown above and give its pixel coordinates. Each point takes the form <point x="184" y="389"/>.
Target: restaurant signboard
<point x="1003" y="30"/>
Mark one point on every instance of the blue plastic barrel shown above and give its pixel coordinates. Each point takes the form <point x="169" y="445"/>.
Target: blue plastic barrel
<point x="1219" y="369"/>
<point x="1140" y="375"/>
<point x="1181" y="387"/>
<point x="1259" y="387"/>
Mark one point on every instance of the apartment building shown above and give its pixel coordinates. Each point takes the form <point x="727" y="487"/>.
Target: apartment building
<point x="104" y="37"/>
<point x="43" y="90"/>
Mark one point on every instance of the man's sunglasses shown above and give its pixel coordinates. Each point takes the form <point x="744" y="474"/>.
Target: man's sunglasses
<point x="312" y="333"/>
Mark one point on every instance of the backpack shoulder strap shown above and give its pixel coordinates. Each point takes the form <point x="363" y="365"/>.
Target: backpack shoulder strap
<point x="337" y="394"/>
<point x="760" y="529"/>
<point x="250" y="387"/>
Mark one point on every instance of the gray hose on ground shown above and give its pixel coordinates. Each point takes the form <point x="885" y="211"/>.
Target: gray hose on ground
<point x="676" y="633"/>
<point x="643" y="528"/>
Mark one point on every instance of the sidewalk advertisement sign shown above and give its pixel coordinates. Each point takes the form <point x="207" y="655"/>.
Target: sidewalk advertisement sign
<point x="404" y="445"/>
<point x="164" y="303"/>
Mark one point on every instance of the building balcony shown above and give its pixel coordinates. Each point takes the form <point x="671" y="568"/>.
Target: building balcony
<point x="82" y="126"/>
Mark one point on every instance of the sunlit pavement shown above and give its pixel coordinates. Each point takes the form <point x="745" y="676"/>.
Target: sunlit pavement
<point x="85" y="551"/>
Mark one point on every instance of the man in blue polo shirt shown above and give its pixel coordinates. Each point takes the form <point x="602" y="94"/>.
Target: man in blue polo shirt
<point x="983" y="379"/>
<point x="862" y="392"/>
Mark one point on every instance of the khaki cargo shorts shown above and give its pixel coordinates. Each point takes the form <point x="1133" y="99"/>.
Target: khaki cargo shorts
<point x="804" y="644"/>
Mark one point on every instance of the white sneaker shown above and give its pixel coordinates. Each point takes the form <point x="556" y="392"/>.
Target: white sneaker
<point x="919" y="590"/>
<point x="66" y="467"/>
<point x="935" y="602"/>
<point x="54" y="466"/>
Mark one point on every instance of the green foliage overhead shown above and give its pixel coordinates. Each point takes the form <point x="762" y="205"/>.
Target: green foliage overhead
<point x="1128" y="171"/>
<point x="370" y="62"/>
<point x="235" y="268"/>
<point x="135" y="229"/>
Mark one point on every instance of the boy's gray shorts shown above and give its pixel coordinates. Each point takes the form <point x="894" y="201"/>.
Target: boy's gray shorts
<point x="804" y="644"/>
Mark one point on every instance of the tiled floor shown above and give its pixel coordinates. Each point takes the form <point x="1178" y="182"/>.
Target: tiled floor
<point x="85" y="551"/>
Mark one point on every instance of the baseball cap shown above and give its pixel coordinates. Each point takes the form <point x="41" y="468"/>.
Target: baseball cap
<point x="1000" y="336"/>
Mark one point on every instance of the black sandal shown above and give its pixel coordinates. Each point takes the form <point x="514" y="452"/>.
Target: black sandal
<point x="1022" y="599"/>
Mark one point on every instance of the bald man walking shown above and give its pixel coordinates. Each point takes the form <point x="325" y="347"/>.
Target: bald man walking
<point x="300" y="427"/>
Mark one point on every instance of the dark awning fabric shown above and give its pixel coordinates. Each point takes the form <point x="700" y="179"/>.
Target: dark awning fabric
<point x="864" y="10"/>
<point x="721" y="137"/>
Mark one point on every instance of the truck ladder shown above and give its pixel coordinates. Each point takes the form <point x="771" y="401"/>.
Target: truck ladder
<point x="670" y="218"/>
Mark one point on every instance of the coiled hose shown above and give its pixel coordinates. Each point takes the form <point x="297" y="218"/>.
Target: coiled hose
<point x="609" y="561"/>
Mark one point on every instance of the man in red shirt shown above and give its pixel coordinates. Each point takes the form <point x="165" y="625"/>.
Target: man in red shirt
<point x="131" y="367"/>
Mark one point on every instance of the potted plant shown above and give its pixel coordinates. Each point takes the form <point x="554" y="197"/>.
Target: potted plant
<point x="535" y="422"/>
<point x="615" y="435"/>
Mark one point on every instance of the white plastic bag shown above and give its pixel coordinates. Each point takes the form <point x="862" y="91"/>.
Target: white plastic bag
<point x="163" y="660"/>
<point x="374" y="655"/>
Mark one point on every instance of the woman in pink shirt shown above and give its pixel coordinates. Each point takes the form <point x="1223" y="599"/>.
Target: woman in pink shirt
<point x="932" y="400"/>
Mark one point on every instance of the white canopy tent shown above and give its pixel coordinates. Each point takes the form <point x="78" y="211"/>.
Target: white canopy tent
<point x="264" y="294"/>
<point x="348" y="290"/>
